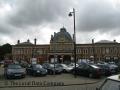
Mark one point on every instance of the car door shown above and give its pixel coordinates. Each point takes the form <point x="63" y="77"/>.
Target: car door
<point x="85" y="70"/>
<point x="79" y="69"/>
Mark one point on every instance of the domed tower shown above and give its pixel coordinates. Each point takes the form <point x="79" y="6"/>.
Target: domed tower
<point x="61" y="44"/>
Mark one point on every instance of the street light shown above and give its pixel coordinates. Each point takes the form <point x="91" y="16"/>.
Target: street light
<point x="93" y="49"/>
<point x="74" y="37"/>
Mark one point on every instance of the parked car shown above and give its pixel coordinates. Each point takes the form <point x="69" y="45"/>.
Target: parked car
<point x="14" y="71"/>
<point x="36" y="70"/>
<point x="118" y="64"/>
<point x="53" y="69"/>
<point x="24" y="64"/>
<point x="85" y="69"/>
<point x="16" y="62"/>
<point x="105" y="69"/>
<point x="72" y="65"/>
<point x="66" y="68"/>
<point x="7" y="62"/>
<point x="114" y="68"/>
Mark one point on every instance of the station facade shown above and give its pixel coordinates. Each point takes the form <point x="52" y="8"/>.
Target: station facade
<point x="61" y="50"/>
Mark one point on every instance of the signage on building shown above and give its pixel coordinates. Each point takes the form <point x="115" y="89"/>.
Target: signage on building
<point x="34" y="61"/>
<point x="53" y="60"/>
<point x="115" y="58"/>
<point x="107" y="57"/>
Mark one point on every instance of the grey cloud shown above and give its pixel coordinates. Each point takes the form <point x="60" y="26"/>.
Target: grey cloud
<point x="98" y="15"/>
<point x="91" y="16"/>
<point x="36" y="12"/>
<point x="5" y="28"/>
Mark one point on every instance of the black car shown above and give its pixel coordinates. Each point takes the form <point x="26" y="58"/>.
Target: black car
<point x="53" y="68"/>
<point x="85" y="69"/>
<point x="14" y="71"/>
<point x="105" y="69"/>
<point x="114" y="68"/>
<point x="36" y="70"/>
<point x="24" y="64"/>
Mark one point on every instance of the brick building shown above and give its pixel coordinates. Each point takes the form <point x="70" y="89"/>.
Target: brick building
<point x="61" y="48"/>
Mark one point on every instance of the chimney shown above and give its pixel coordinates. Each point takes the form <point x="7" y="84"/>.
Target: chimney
<point x="35" y="41"/>
<point x="28" y="40"/>
<point x="114" y="40"/>
<point x="92" y="41"/>
<point x="18" y="41"/>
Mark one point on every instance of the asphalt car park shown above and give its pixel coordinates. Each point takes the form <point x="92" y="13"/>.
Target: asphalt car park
<point x="68" y="82"/>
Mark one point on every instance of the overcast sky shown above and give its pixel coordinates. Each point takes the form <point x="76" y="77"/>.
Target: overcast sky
<point x="29" y="19"/>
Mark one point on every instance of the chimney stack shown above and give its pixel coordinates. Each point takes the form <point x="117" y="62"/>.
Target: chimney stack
<point x="92" y="41"/>
<point x="28" y="40"/>
<point x="35" y="41"/>
<point x="114" y="40"/>
<point x="18" y="41"/>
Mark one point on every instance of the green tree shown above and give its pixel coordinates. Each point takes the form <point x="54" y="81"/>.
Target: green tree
<point x="5" y="49"/>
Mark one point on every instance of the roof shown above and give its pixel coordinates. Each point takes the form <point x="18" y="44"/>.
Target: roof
<point x="25" y="43"/>
<point x="106" y="41"/>
<point x="63" y="33"/>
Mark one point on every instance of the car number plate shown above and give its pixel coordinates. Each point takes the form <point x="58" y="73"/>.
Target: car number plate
<point x="17" y="74"/>
<point x="38" y="71"/>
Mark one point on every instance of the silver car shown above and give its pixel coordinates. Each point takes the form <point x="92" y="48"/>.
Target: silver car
<point x="14" y="71"/>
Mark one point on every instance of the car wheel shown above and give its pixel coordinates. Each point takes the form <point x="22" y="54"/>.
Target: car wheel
<point x="50" y="72"/>
<point x="64" y="70"/>
<point x="90" y="75"/>
<point x="34" y="74"/>
<point x="23" y="76"/>
<point x="7" y="77"/>
<point x="73" y="71"/>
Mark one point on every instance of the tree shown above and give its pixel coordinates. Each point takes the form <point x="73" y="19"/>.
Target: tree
<point x="4" y="50"/>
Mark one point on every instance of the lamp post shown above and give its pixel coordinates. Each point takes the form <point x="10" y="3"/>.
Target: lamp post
<point x="93" y="50"/>
<point x="74" y="37"/>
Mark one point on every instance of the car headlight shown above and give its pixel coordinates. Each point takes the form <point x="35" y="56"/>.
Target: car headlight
<point x="22" y="71"/>
<point x="38" y="71"/>
<point x="9" y="71"/>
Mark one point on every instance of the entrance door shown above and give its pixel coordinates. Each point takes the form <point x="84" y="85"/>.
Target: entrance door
<point x="67" y="59"/>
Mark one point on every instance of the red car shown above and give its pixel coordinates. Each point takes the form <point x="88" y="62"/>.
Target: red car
<point x="7" y="62"/>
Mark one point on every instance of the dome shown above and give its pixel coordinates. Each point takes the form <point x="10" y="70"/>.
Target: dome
<point x="62" y="34"/>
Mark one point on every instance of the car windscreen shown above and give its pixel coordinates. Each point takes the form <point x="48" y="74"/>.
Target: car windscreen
<point x="94" y="66"/>
<point x="14" y="67"/>
<point x="37" y="66"/>
<point x="52" y="66"/>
